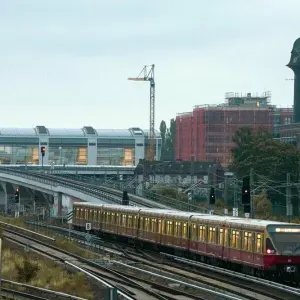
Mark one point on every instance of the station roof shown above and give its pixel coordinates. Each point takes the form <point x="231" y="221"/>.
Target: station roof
<point x="86" y="131"/>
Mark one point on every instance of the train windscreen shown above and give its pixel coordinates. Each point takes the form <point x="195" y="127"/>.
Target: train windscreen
<point x="286" y="238"/>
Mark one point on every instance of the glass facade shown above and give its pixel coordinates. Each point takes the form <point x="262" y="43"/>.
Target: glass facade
<point x="19" y="150"/>
<point x="115" y="156"/>
<point x="68" y="151"/>
<point x="115" y="151"/>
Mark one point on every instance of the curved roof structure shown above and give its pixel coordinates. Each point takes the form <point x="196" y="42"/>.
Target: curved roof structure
<point x="114" y="133"/>
<point x="66" y="132"/>
<point x="18" y="131"/>
<point x="85" y="131"/>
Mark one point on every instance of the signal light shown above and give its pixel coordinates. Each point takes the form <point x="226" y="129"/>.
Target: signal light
<point x="43" y="150"/>
<point x="212" y="197"/>
<point x="17" y="195"/>
<point x="246" y="198"/>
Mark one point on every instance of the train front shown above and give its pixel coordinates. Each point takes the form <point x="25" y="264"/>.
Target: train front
<point x="282" y="252"/>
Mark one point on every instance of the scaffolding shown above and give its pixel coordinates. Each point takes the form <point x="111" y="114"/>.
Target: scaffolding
<point x="248" y="99"/>
<point x="206" y="133"/>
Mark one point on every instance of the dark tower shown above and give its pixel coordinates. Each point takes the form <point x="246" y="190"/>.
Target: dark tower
<point x="294" y="64"/>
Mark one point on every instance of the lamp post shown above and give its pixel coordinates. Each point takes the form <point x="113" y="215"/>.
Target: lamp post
<point x="60" y="155"/>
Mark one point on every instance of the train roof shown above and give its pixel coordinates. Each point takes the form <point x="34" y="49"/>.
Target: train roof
<point x="194" y="216"/>
<point x="243" y="222"/>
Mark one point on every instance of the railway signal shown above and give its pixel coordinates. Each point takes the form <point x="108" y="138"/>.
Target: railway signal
<point x="212" y="197"/>
<point x="43" y="150"/>
<point x="125" y="198"/>
<point x="246" y="196"/>
<point x="17" y="195"/>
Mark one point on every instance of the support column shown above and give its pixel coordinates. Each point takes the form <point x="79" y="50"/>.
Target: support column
<point x="3" y="184"/>
<point x="57" y="205"/>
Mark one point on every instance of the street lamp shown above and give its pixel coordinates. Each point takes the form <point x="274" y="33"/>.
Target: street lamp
<point x="60" y="155"/>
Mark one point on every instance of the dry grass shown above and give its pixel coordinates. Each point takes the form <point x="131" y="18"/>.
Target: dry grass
<point x="49" y="275"/>
<point x="60" y="242"/>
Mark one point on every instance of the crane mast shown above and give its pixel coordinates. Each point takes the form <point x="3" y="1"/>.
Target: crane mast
<point x="147" y="74"/>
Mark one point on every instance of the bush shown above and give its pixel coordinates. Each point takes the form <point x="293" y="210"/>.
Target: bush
<point x="38" y="271"/>
<point x="26" y="270"/>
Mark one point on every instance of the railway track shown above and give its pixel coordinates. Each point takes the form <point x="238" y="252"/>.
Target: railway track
<point x="244" y="285"/>
<point x="99" y="192"/>
<point x="10" y="291"/>
<point x="132" y="286"/>
<point x="148" y="264"/>
<point x="207" y="274"/>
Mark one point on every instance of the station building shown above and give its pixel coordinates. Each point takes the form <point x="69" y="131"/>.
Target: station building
<point x="82" y="146"/>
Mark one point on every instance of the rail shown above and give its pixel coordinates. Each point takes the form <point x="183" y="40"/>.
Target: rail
<point x="267" y="283"/>
<point x="55" y="182"/>
<point x="179" y="282"/>
<point x="98" y="192"/>
<point x="29" y="231"/>
<point x="24" y="285"/>
<point x="103" y="282"/>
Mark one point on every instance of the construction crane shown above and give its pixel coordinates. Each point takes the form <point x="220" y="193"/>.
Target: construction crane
<point x="147" y="74"/>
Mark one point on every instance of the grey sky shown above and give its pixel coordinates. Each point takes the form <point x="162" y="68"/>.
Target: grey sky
<point x="66" y="63"/>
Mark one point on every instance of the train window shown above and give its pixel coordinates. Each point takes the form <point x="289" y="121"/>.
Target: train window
<point x="135" y="222"/>
<point x="91" y="215"/>
<point x="159" y="226"/>
<point x="118" y="219"/>
<point x="202" y="233"/>
<point x="147" y="224"/>
<point x="141" y="223"/>
<point x="226" y="239"/>
<point x="221" y="236"/>
<point x="95" y="215"/>
<point x="185" y="230"/>
<point x="163" y="229"/>
<point x="169" y="228"/>
<point x="81" y="213"/>
<point x="258" y="243"/>
<point x="194" y="233"/>
<point x="212" y="235"/>
<point x="247" y="241"/>
<point x="153" y="226"/>
<point x="113" y="218"/>
<point x="129" y="222"/>
<point x="86" y="214"/>
<point x="177" y="229"/>
<point x="124" y="219"/>
<point x="235" y="239"/>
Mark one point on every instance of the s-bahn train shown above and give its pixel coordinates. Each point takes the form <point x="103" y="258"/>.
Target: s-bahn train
<point x="262" y="248"/>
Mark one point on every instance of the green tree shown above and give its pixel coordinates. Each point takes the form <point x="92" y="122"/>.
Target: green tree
<point x="262" y="205"/>
<point x="170" y="141"/>
<point x="270" y="160"/>
<point x="268" y="157"/>
<point x="163" y="131"/>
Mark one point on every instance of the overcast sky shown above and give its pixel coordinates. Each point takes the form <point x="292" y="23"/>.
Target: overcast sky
<point x="65" y="63"/>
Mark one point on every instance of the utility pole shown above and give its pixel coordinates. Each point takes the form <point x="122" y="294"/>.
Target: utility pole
<point x="289" y="207"/>
<point x="226" y="192"/>
<point x="251" y="193"/>
<point x="235" y="183"/>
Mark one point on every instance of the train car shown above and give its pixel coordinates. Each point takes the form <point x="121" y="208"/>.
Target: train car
<point x="259" y="247"/>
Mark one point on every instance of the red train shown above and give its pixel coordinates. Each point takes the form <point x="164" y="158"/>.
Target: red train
<point x="258" y="247"/>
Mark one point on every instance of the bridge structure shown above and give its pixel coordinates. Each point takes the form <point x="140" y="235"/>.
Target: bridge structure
<point x="105" y="170"/>
<point x="56" y="192"/>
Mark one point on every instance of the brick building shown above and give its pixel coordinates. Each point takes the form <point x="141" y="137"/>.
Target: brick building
<point x="206" y="133"/>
